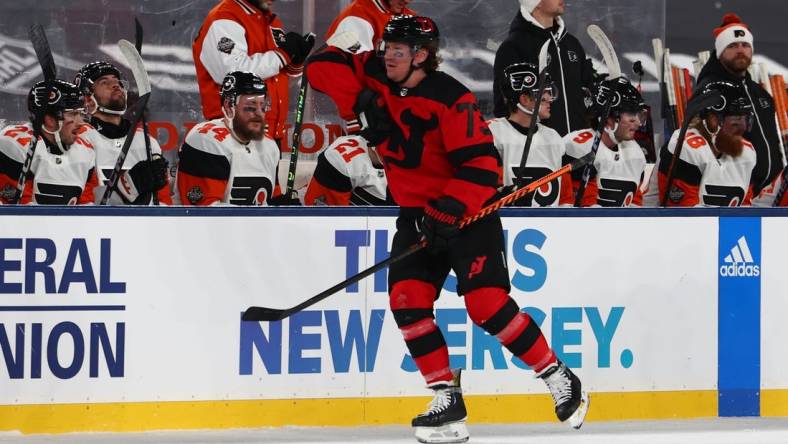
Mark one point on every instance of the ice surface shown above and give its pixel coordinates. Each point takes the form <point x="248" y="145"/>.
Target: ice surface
<point x="711" y="431"/>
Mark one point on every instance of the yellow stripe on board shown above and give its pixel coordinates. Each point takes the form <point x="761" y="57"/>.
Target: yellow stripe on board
<point x="774" y="402"/>
<point x="142" y="416"/>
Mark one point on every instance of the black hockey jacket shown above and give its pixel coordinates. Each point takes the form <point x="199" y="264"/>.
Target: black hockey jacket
<point x="764" y="135"/>
<point x="571" y="72"/>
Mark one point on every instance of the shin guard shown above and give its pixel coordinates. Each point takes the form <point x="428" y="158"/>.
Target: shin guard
<point x="411" y="303"/>
<point x="495" y="311"/>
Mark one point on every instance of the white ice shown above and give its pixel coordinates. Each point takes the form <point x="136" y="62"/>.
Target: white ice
<point x="705" y="431"/>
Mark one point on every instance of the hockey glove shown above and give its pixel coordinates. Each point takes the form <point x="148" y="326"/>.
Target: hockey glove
<point x="297" y="47"/>
<point x="150" y="176"/>
<point x="441" y="222"/>
<point x="284" y="199"/>
<point x="376" y="123"/>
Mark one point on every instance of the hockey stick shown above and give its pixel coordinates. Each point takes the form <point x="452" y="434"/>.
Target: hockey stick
<point x="274" y="314"/>
<point x="143" y="86"/>
<point x="698" y="103"/>
<point x="145" y="131"/>
<point x="299" y="122"/>
<point x="537" y="106"/>
<point x="614" y="68"/>
<point x="44" y="54"/>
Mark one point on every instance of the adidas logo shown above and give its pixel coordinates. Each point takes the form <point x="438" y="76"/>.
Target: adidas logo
<point x="739" y="263"/>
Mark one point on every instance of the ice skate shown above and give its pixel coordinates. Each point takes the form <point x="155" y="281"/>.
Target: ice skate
<point x="571" y="402"/>
<point x="444" y="420"/>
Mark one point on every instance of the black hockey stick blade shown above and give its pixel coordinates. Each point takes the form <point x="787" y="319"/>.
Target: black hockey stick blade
<point x="258" y="314"/>
<point x="136" y="116"/>
<point x="138" y="35"/>
<point x="43" y="51"/>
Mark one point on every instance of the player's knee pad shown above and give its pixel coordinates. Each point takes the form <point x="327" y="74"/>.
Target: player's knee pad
<point x="411" y="301"/>
<point x="495" y="311"/>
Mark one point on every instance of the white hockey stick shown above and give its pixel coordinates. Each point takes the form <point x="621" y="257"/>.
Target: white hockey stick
<point x="543" y="59"/>
<point x="614" y="69"/>
<point x="606" y="48"/>
<point x="143" y="86"/>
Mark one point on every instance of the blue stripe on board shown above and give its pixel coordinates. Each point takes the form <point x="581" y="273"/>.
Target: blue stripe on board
<point x="739" y="315"/>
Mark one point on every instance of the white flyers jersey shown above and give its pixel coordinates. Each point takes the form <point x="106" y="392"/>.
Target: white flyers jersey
<point x="14" y="142"/>
<point x="702" y="179"/>
<point x="345" y="175"/>
<point x="107" y="151"/>
<point x="544" y="156"/>
<point x="61" y="179"/>
<point x="215" y="168"/>
<point x="616" y="174"/>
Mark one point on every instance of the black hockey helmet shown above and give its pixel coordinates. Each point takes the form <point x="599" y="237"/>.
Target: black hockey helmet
<point x="238" y="83"/>
<point x="523" y="78"/>
<point x="625" y="98"/>
<point x="91" y="72"/>
<point x="53" y="97"/>
<point x="414" y="30"/>
<point x="734" y="100"/>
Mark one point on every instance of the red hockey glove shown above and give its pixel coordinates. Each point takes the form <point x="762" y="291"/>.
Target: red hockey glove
<point x="441" y="222"/>
<point x="376" y="123"/>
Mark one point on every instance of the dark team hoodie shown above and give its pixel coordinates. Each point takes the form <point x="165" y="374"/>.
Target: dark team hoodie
<point x="571" y="72"/>
<point x="764" y="135"/>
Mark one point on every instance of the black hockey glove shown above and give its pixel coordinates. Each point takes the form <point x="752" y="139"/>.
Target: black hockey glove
<point x="150" y="176"/>
<point x="441" y="222"/>
<point x="283" y="199"/>
<point x="297" y="46"/>
<point x="376" y="123"/>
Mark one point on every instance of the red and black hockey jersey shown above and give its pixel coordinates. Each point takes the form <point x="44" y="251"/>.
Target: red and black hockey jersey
<point x="544" y="156"/>
<point x="14" y="142"/>
<point x="440" y="145"/>
<point x="215" y="168"/>
<point x="702" y="179"/>
<point x="61" y="178"/>
<point x="616" y="174"/>
<point x="345" y="175"/>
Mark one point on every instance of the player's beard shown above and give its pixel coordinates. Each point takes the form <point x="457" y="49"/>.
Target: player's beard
<point x="116" y="103"/>
<point x="245" y="133"/>
<point x="738" y="64"/>
<point x="729" y="144"/>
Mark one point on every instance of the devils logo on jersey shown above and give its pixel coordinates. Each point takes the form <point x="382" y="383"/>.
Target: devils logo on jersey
<point x="410" y="150"/>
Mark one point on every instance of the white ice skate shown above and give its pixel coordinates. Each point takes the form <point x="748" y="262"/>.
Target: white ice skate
<point x="444" y="420"/>
<point x="571" y="402"/>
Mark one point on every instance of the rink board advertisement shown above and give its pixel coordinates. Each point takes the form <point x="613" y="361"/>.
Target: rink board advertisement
<point x="136" y="318"/>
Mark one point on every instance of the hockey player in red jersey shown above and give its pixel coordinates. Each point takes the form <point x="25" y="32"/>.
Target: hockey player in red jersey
<point x="441" y="165"/>
<point x="520" y="88"/>
<point x="231" y="160"/>
<point x="619" y="164"/>
<point x="716" y="163"/>
<point x="348" y="172"/>
<point x="63" y="168"/>
<point x="359" y="28"/>
<point x="105" y="97"/>
<point x="14" y="143"/>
